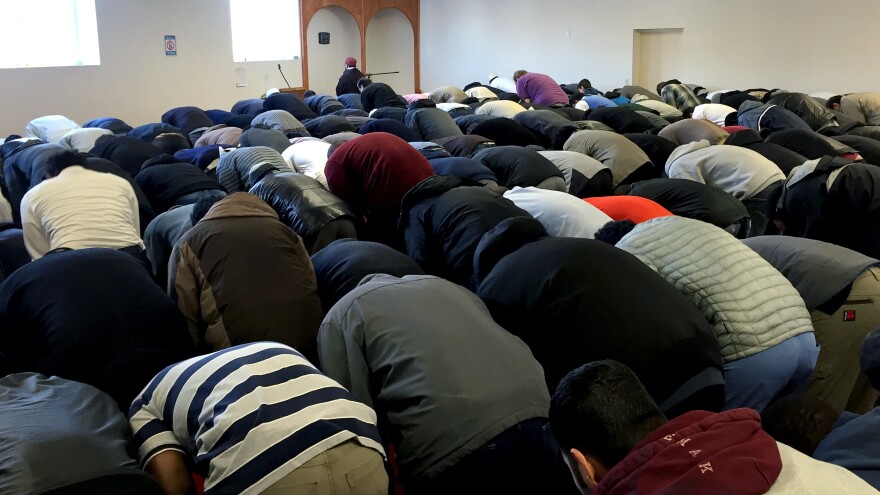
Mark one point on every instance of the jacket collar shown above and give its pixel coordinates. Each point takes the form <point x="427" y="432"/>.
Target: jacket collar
<point x="240" y="205"/>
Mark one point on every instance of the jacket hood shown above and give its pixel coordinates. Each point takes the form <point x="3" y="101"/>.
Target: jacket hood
<point x="240" y="204"/>
<point x="507" y="237"/>
<point x="750" y="105"/>
<point x="698" y="453"/>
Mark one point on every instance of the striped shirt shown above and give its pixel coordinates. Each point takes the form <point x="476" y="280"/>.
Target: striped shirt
<point x="281" y="120"/>
<point x="235" y="166"/>
<point x="247" y="416"/>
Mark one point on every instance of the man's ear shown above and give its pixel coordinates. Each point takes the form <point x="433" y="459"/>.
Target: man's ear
<point x="589" y="470"/>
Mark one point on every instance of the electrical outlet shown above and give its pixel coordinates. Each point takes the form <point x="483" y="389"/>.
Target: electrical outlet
<point x="626" y="82"/>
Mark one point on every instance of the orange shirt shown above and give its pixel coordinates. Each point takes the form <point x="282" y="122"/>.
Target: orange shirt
<point x="633" y="208"/>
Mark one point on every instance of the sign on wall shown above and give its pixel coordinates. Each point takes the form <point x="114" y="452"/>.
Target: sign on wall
<point x="170" y="45"/>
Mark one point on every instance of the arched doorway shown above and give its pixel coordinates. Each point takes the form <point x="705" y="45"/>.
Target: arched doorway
<point x="326" y="62"/>
<point x="391" y="47"/>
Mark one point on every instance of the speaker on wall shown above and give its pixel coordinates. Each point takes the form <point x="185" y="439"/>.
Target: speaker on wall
<point x="323" y="38"/>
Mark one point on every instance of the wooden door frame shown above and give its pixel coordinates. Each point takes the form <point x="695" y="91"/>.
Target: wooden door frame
<point x="363" y="12"/>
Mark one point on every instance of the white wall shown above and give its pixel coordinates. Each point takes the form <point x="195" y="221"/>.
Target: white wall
<point x="136" y="81"/>
<point x="326" y="62"/>
<point x="808" y="45"/>
<point x="390" y="47"/>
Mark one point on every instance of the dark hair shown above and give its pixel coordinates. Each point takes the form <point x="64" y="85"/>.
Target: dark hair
<point x="364" y="82"/>
<point x="585" y="83"/>
<point x="731" y="119"/>
<point x="171" y="142"/>
<point x="309" y="93"/>
<point x="829" y="104"/>
<point x="61" y="161"/>
<point x="613" y="232"/>
<point x="201" y="207"/>
<point x="603" y="410"/>
<point x="800" y="422"/>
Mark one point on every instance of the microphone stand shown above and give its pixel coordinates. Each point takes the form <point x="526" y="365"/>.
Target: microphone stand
<point x="371" y="74"/>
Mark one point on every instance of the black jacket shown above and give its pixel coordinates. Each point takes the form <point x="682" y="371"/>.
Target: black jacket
<point x="467" y="122"/>
<point x="13" y="254"/>
<point x="431" y="123"/>
<point x="187" y="119"/>
<point x="784" y="158"/>
<point x="443" y="219"/>
<point x="505" y="132"/>
<point x="323" y="104"/>
<point x="622" y="120"/>
<point x="149" y="132"/>
<point x="342" y="265"/>
<point x="321" y="127"/>
<point x="25" y="165"/>
<point x="301" y="202"/>
<point x="551" y="129"/>
<point x="578" y="300"/>
<point x="805" y="107"/>
<point x="390" y="126"/>
<point x="657" y="148"/>
<point x="380" y="95"/>
<point x="869" y="148"/>
<point x="348" y="81"/>
<point x="691" y="199"/>
<point x="128" y="152"/>
<point x="847" y="213"/>
<point x="516" y="166"/>
<point x="464" y="168"/>
<point x="807" y="143"/>
<point x="94" y="316"/>
<point x="166" y="179"/>
<point x="465" y="146"/>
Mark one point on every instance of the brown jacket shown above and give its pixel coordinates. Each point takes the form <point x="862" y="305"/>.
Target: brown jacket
<point x="240" y="275"/>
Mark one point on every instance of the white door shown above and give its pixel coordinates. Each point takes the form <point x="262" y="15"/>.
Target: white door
<point x="657" y="56"/>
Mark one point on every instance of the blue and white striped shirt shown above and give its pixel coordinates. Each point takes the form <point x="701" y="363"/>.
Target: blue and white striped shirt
<point x="247" y="416"/>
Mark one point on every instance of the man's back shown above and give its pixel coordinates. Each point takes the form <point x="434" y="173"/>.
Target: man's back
<point x="80" y="209"/>
<point x="540" y="89"/>
<point x="240" y="275"/>
<point x="247" y="416"/>
<point x="738" y="171"/>
<point x="380" y="95"/>
<point x="442" y="375"/>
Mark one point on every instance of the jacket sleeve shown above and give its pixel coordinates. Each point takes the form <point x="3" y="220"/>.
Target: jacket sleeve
<point x="342" y="353"/>
<point x="183" y="288"/>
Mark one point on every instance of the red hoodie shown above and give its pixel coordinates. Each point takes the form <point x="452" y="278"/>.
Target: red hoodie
<point x="373" y="172"/>
<point x="635" y="208"/>
<point x="699" y="453"/>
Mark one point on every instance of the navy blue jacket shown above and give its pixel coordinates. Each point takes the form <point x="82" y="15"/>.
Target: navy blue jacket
<point x="94" y="316"/>
<point x="166" y="179"/>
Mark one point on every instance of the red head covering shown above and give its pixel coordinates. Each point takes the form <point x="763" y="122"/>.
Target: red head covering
<point x="350" y="62"/>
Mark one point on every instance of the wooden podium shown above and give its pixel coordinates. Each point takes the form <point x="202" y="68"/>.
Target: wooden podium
<point x="297" y="91"/>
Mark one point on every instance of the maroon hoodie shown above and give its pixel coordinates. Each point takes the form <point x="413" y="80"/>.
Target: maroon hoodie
<point x="699" y="453"/>
<point x="373" y="172"/>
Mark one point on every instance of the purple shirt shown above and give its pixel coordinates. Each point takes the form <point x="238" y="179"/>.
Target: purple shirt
<point x="540" y="89"/>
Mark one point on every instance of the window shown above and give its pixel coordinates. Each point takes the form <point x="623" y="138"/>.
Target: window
<point x="265" y="30"/>
<point x="49" y="33"/>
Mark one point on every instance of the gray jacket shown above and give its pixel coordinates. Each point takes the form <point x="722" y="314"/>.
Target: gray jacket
<point x="443" y="377"/>
<point x="615" y="151"/>
<point x="751" y="306"/>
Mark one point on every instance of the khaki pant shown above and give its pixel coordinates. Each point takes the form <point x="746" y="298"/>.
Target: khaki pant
<point x="349" y="468"/>
<point x="838" y="380"/>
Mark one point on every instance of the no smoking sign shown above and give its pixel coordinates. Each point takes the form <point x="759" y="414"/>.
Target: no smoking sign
<point x="170" y="45"/>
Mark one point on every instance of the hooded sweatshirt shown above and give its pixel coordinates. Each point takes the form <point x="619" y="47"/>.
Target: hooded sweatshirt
<point x="738" y="171"/>
<point x="725" y="453"/>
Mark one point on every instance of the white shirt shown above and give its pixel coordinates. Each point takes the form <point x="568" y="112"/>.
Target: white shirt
<point x="80" y="209"/>
<point x="562" y="214"/>
<point x="308" y="158"/>
<point x="713" y="112"/>
<point x="83" y="140"/>
<point x="501" y="108"/>
<point x="739" y="171"/>
<point x="50" y="128"/>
